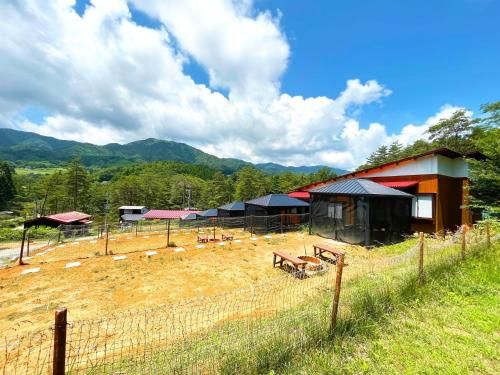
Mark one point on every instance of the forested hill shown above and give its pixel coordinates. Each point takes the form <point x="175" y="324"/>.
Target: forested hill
<point x="31" y="148"/>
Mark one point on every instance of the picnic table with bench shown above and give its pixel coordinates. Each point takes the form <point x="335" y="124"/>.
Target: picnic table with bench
<point x="319" y="250"/>
<point x="203" y="239"/>
<point x="227" y="237"/>
<point x="280" y="256"/>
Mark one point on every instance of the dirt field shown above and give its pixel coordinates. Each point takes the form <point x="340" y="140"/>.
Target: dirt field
<point x="102" y="285"/>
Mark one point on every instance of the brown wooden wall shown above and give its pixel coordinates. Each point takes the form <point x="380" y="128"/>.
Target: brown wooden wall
<point x="449" y="197"/>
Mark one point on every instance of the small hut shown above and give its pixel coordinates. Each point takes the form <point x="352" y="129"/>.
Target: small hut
<point x="275" y="212"/>
<point x="233" y="209"/>
<point x="360" y="211"/>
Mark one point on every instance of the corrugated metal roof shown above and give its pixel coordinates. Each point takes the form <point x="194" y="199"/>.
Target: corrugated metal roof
<point x="167" y="214"/>
<point x="233" y="206"/>
<point x="277" y="200"/>
<point x="191" y="216"/>
<point x="211" y="212"/>
<point x="68" y="217"/>
<point x="359" y="187"/>
<point x="399" y="184"/>
<point x="132" y="217"/>
<point x="131" y="207"/>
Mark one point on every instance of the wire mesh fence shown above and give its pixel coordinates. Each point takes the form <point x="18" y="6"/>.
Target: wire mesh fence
<point x="209" y="335"/>
<point x="71" y="242"/>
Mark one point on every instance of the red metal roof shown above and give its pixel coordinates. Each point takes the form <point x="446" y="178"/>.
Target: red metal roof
<point x="399" y="184"/>
<point x="68" y="217"/>
<point x="167" y="214"/>
<point x="300" y="195"/>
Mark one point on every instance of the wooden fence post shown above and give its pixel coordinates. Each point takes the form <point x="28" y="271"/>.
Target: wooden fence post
<point x="336" y="296"/>
<point x="168" y="233"/>
<point x="421" y="257"/>
<point x="59" y="356"/>
<point x="28" y="245"/>
<point x="464" y="240"/>
<point x="22" y="248"/>
<point x="107" y="239"/>
<point x="488" y="238"/>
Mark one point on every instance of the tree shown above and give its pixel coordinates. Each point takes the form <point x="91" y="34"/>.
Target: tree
<point x="323" y="174"/>
<point x="485" y="175"/>
<point x="454" y="132"/>
<point x="7" y="189"/>
<point x="78" y="183"/>
<point x="250" y="183"/>
<point x="219" y="190"/>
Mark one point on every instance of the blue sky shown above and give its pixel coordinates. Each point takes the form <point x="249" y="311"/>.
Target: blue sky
<point x="427" y="52"/>
<point x="302" y="82"/>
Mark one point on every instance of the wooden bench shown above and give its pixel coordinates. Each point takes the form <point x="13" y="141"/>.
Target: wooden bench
<point x="319" y="250"/>
<point x="297" y="263"/>
<point x="203" y="239"/>
<point x="228" y="237"/>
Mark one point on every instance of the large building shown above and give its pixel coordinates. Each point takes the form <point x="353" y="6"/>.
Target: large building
<point x="438" y="181"/>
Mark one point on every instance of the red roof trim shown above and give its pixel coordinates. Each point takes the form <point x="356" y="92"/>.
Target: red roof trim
<point x="300" y="195"/>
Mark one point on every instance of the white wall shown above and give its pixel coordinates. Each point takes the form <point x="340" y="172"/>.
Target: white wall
<point x="432" y="164"/>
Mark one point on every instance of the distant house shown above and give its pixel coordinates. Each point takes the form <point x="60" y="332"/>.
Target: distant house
<point x="131" y="214"/>
<point x="275" y="212"/>
<point x="233" y="209"/>
<point x="437" y="179"/>
<point x="207" y="214"/>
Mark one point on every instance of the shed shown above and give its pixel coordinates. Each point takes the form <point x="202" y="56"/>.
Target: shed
<point x="275" y="212"/>
<point x="210" y="213"/>
<point x="132" y="213"/>
<point x="53" y="221"/>
<point x="360" y="211"/>
<point x="233" y="209"/>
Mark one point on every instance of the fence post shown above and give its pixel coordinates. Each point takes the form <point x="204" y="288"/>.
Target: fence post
<point x="59" y="357"/>
<point x="488" y="238"/>
<point x="107" y="239"/>
<point x="421" y="257"/>
<point x="28" y="245"/>
<point x="464" y="240"/>
<point x="336" y="296"/>
<point x="22" y="248"/>
<point x="168" y="233"/>
<point x="281" y="224"/>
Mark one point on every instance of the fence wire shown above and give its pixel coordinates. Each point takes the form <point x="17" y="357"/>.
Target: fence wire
<point x="206" y="334"/>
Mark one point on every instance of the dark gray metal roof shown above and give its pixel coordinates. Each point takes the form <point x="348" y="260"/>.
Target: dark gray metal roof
<point x="356" y="186"/>
<point x="233" y="206"/>
<point x="277" y="200"/>
<point x="132" y="217"/>
<point x="211" y="212"/>
<point x="191" y="216"/>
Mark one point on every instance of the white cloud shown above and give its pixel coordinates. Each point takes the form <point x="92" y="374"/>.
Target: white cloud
<point x="411" y="132"/>
<point x="106" y="79"/>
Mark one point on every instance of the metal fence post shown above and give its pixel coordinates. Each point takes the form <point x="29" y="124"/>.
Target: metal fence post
<point x="464" y="240"/>
<point x="59" y="356"/>
<point x="336" y="296"/>
<point x="488" y="238"/>
<point x="421" y="257"/>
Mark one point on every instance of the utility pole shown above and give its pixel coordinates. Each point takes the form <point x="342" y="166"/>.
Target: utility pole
<point x="106" y="210"/>
<point x="189" y="197"/>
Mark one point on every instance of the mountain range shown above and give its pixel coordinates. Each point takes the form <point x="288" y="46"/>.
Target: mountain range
<point x="27" y="147"/>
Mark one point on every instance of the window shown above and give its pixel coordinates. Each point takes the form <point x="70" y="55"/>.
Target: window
<point x="422" y="206"/>
<point x="335" y="211"/>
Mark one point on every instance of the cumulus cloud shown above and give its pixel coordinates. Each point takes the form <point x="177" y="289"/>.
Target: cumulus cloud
<point x="104" y="78"/>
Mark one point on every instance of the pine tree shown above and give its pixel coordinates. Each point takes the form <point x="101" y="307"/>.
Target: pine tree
<point x="78" y="184"/>
<point x="7" y="189"/>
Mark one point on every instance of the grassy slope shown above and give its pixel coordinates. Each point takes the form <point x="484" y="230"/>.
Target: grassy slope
<point x="451" y="326"/>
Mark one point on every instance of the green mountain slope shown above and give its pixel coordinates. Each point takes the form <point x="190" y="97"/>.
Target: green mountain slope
<point x="27" y="147"/>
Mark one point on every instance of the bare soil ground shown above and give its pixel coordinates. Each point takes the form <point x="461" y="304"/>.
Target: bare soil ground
<point x="102" y="285"/>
